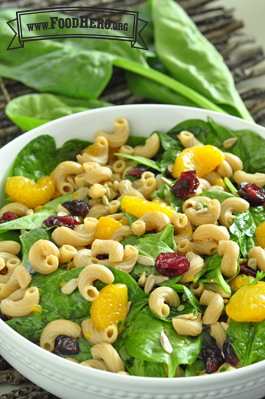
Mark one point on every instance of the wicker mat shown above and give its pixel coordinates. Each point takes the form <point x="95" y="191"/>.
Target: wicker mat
<point x="220" y="27"/>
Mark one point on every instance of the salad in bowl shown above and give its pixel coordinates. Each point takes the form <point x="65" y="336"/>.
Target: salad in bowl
<point x="132" y="245"/>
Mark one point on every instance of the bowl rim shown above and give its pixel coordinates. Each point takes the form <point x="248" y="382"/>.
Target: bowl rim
<point x="84" y="372"/>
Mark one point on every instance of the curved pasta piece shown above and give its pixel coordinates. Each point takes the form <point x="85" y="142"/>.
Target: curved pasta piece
<point x="22" y="307"/>
<point x="88" y="275"/>
<point x="113" y="248"/>
<point x="196" y="265"/>
<point x="44" y="256"/>
<point x="154" y="220"/>
<point x="160" y="297"/>
<point x="12" y="247"/>
<point x="188" y="324"/>
<point x="95" y="336"/>
<point x="80" y="236"/>
<point x="95" y="364"/>
<point x="120" y="135"/>
<point x="225" y="170"/>
<point x="66" y="253"/>
<point x="230" y="206"/>
<point x="230" y="252"/>
<point x="56" y="328"/>
<point x="211" y="232"/>
<point x="99" y="153"/>
<point x="198" y="247"/>
<point x="150" y="148"/>
<point x="188" y="140"/>
<point x="109" y="355"/>
<point x="20" y="278"/>
<point x="243" y="177"/>
<point x="16" y="207"/>
<point x="215" y="305"/>
<point x="82" y="257"/>
<point x="199" y="215"/>
<point x="130" y="257"/>
<point x="234" y="161"/>
<point x="62" y="171"/>
<point x="259" y="254"/>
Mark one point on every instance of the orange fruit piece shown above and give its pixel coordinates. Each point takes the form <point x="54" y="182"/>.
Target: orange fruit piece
<point x="260" y="235"/>
<point x="248" y="303"/>
<point x="239" y="281"/>
<point x="106" y="227"/>
<point x="22" y="189"/>
<point x="202" y="159"/>
<point x="139" y="206"/>
<point x="110" y="306"/>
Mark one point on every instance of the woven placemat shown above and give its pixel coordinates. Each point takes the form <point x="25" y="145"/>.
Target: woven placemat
<point x="220" y="27"/>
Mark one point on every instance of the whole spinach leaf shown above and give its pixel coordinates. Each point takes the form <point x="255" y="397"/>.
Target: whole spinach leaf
<point x="33" y="110"/>
<point x="185" y="53"/>
<point x="243" y="229"/>
<point x="247" y="340"/>
<point x="145" y="344"/>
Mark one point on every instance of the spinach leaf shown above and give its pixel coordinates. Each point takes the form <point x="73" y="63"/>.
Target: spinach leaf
<point x="242" y="229"/>
<point x="53" y="204"/>
<point x="185" y="53"/>
<point x="10" y="236"/>
<point x="28" y="239"/>
<point x="33" y="110"/>
<point x="152" y="247"/>
<point x="27" y="222"/>
<point x="221" y="196"/>
<point x="166" y="236"/>
<point x="258" y="214"/>
<point x="190" y="296"/>
<point x="131" y="218"/>
<point x="145" y="344"/>
<point x="144" y="161"/>
<point x="175" y="202"/>
<point x="194" y="369"/>
<point x="247" y="340"/>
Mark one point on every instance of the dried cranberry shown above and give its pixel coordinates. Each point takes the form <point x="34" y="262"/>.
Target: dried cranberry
<point x="252" y="193"/>
<point x="168" y="172"/>
<point x="186" y="184"/>
<point x="67" y="221"/>
<point x="172" y="264"/>
<point x="7" y="216"/>
<point x="3" y="316"/>
<point x="245" y="269"/>
<point x="137" y="171"/>
<point x="229" y="353"/>
<point x="212" y="358"/>
<point x="66" y="345"/>
<point x="77" y="207"/>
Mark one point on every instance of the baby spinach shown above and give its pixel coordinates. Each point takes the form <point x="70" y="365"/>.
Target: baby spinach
<point x="175" y="202"/>
<point x="192" y="59"/>
<point x="152" y="247"/>
<point x="217" y="194"/>
<point x="194" y="369"/>
<point x="247" y="340"/>
<point x="243" y="231"/>
<point x="145" y="344"/>
<point x="144" y="161"/>
<point x="33" y="110"/>
<point x="10" y="236"/>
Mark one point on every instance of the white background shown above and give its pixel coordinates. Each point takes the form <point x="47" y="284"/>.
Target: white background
<point x="252" y="12"/>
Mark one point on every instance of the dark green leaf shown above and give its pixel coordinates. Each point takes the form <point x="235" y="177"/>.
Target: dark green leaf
<point x="145" y="161"/>
<point x="27" y="222"/>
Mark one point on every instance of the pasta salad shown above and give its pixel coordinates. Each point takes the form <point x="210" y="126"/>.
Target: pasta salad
<point x="138" y="256"/>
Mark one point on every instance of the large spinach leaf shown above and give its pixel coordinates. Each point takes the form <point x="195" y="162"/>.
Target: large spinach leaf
<point x="27" y="222"/>
<point x="243" y="231"/>
<point x="192" y="59"/>
<point x="247" y="340"/>
<point x="33" y="110"/>
<point x="145" y="344"/>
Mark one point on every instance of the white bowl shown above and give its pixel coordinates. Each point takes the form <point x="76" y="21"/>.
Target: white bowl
<point x="68" y="380"/>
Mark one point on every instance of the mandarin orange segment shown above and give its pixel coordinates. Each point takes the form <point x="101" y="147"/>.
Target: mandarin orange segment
<point x="110" y="306"/>
<point x="22" y="189"/>
<point x="260" y="235"/>
<point x="239" y="281"/>
<point x="248" y="303"/>
<point x="106" y="227"/>
<point x="202" y="159"/>
<point x="139" y="206"/>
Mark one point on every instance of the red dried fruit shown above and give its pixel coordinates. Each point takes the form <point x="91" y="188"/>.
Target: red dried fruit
<point x="172" y="264"/>
<point x="77" y="207"/>
<point x="137" y="171"/>
<point x="67" y="221"/>
<point x="7" y="216"/>
<point x="66" y="345"/>
<point x="3" y="316"/>
<point x="229" y="353"/>
<point x="186" y="184"/>
<point x="252" y="193"/>
<point x="212" y="358"/>
<point x="245" y="269"/>
<point x="168" y="172"/>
